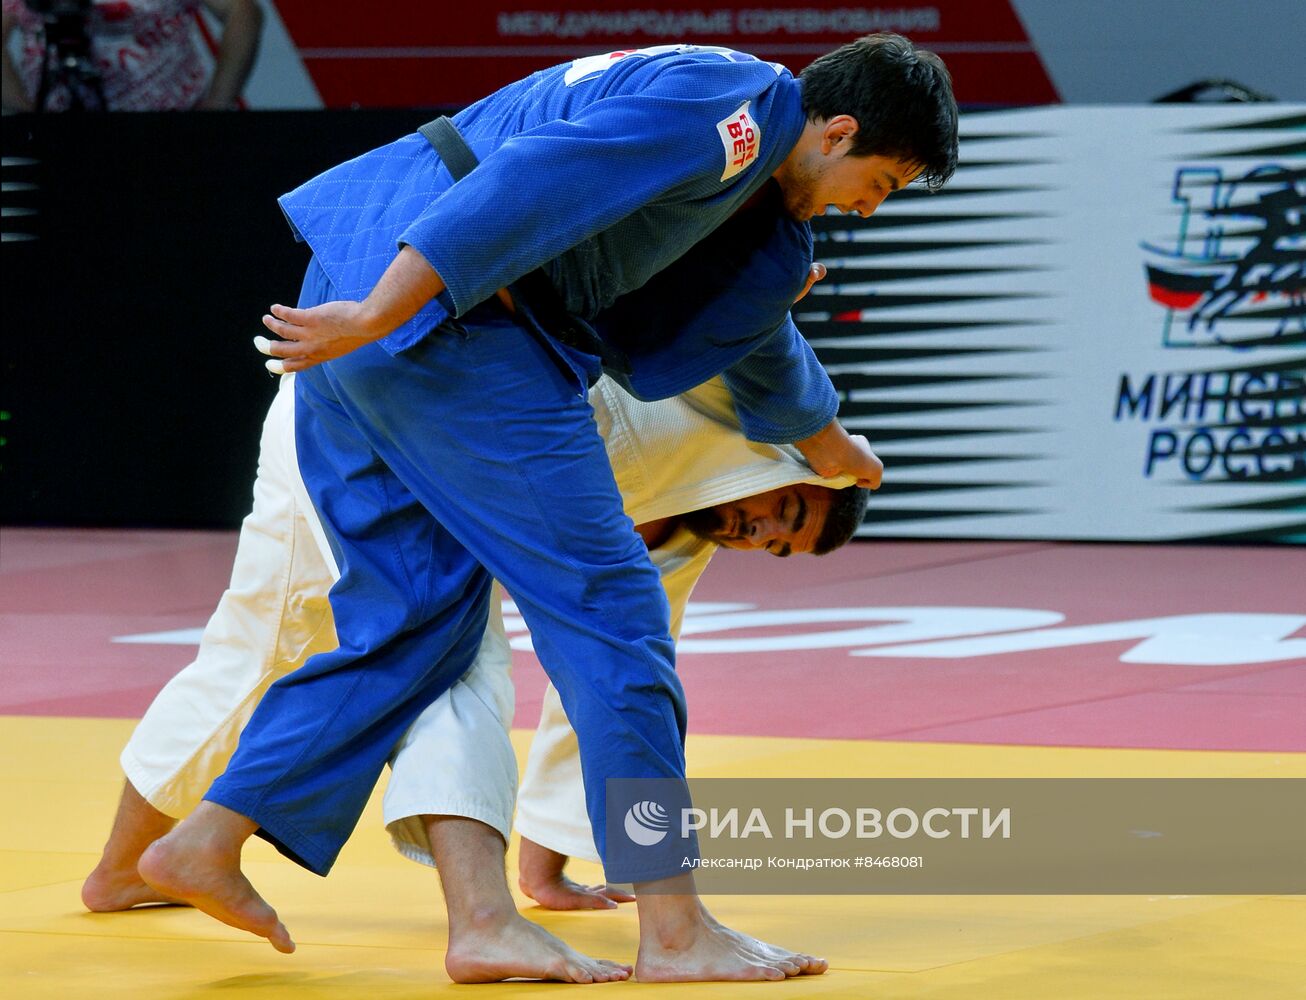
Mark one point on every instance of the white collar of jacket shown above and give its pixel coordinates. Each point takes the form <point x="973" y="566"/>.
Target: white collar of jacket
<point x="687" y="452"/>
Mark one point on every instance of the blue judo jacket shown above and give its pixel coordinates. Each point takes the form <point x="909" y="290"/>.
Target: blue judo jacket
<point x="604" y="171"/>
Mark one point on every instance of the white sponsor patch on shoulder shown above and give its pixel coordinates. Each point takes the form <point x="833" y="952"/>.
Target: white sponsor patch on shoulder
<point x="741" y="138"/>
<point x="588" y="67"/>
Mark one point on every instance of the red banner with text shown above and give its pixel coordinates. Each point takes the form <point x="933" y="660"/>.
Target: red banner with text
<point x="407" y="54"/>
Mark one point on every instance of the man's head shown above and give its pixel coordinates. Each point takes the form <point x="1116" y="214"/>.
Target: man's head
<point x="880" y="114"/>
<point x="798" y="518"/>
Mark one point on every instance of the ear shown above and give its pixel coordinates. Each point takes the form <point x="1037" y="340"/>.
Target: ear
<point x="837" y="135"/>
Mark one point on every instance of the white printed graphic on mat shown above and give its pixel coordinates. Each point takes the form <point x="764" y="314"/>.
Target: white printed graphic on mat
<point x="950" y="633"/>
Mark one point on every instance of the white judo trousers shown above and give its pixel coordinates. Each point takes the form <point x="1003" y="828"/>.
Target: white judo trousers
<point x="669" y="457"/>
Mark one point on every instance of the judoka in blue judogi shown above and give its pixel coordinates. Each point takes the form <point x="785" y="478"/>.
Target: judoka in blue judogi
<point x="457" y="445"/>
<point x="470" y="421"/>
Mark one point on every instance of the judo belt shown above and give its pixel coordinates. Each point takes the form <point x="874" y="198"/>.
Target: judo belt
<point x="535" y="291"/>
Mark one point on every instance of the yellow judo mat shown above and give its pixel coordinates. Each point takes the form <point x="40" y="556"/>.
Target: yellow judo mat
<point x="375" y="928"/>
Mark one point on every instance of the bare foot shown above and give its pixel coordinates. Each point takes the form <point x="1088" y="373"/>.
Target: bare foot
<point x="540" y="876"/>
<point x="515" y="948"/>
<point x="680" y="941"/>
<point x="707" y="954"/>
<point x="200" y="865"/>
<point x="107" y="890"/>
<point x="488" y="939"/>
<point x="808" y="965"/>
<point x="116" y="884"/>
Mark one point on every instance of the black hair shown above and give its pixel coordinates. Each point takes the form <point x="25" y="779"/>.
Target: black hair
<point x="900" y="95"/>
<point x="847" y="511"/>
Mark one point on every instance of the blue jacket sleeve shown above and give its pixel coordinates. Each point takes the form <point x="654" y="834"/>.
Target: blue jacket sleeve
<point x="550" y="187"/>
<point x="782" y="393"/>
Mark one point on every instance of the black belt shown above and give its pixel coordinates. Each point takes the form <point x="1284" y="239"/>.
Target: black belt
<point x="535" y="291"/>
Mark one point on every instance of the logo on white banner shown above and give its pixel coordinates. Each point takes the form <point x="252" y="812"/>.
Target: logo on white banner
<point x="1235" y="279"/>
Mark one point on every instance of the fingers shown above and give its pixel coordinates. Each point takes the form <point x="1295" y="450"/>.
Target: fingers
<point x="271" y="348"/>
<point x="872" y="471"/>
<point x="287" y="366"/>
<point x="308" y="337"/>
<point x="274" y="349"/>
<point x="871" y="480"/>
<point x="589" y="898"/>
<point x="287" y="323"/>
<point x="615" y="894"/>
<point x="293" y="353"/>
<point x="296" y="350"/>
<point x="595" y="896"/>
<point x="288" y="314"/>
<point x="279" y="360"/>
<point x="287" y="331"/>
<point x="814" y="274"/>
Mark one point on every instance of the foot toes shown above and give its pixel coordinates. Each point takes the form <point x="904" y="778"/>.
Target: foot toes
<point x="281" y="940"/>
<point x="611" y="971"/>
<point x="578" y="973"/>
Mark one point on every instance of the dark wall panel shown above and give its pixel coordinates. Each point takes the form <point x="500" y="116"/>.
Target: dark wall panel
<point x="140" y="251"/>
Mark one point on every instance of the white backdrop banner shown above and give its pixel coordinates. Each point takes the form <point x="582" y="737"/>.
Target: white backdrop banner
<point x="1097" y="330"/>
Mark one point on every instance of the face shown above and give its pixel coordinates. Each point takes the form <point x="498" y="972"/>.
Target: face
<point x="822" y="172"/>
<point x="781" y="521"/>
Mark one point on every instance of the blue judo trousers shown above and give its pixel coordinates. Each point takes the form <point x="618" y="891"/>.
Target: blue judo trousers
<point x="468" y="450"/>
<point x="419" y="524"/>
